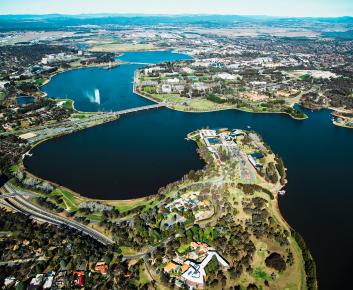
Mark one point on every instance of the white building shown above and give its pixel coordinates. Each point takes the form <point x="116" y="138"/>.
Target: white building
<point x="226" y="76"/>
<point x="48" y="282"/>
<point x="2" y="84"/>
<point x="166" y="89"/>
<point x="199" y="86"/>
<point x="153" y="69"/>
<point x="9" y="281"/>
<point x="37" y="281"/>
<point x="187" y="70"/>
<point x="173" y="81"/>
<point x="195" y="275"/>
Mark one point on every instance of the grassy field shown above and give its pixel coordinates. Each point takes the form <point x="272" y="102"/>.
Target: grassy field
<point x="127" y="251"/>
<point x="117" y="47"/>
<point x="143" y="277"/>
<point x="71" y="201"/>
<point x="40" y="81"/>
<point x="194" y="105"/>
<point x="125" y="205"/>
<point x="69" y="104"/>
<point x="183" y="248"/>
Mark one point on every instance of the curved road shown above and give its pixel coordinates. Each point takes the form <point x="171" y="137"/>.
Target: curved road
<point x="25" y="206"/>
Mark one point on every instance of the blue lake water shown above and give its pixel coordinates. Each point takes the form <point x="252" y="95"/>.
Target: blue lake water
<point x="141" y="152"/>
<point x="153" y="56"/>
<point x="25" y="100"/>
<point x="98" y="89"/>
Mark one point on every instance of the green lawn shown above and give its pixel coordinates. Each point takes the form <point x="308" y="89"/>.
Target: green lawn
<point x="69" y="104"/>
<point x="69" y="199"/>
<point x="96" y="217"/>
<point x="143" y="277"/>
<point x="304" y="77"/>
<point x="258" y="273"/>
<point x="40" y="81"/>
<point x="128" y="251"/>
<point x="14" y="168"/>
<point x="125" y="205"/>
<point x="183" y="248"/>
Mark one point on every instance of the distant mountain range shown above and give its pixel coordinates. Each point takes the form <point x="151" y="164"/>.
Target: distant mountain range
<point x="58" y="21"/>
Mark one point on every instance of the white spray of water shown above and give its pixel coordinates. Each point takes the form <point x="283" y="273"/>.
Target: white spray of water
<point x="94" y="97"/>
<point x="97" y="97"/>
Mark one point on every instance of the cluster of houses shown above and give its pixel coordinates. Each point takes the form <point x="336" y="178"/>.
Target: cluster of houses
<point x="40" y="281"/>
<point x="185" y="202"/>
<point x="201" y="209"/>
<point x="190" y="268"/>
<point x="195" y="78"/>
<point x="57" y="280"/>
<point x="11" y="120"/>
<point x="61" y="57"/>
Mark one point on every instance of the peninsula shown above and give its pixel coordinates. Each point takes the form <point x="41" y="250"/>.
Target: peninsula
<point x="217" y="227"/>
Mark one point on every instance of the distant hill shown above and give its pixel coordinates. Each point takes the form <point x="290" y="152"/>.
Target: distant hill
<point x="59" y="22"/>
<point x="345" y="35"/>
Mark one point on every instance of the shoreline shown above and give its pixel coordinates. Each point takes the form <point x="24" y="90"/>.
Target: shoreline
<point x="341" y="125"/>
<point x="336" y="114"/>
<point x="207" y="111"/>
<point x="83" y="112"/>
<point x="143" y="96"/>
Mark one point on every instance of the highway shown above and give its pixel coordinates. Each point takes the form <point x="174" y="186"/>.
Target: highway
<point x="23" y="205"/>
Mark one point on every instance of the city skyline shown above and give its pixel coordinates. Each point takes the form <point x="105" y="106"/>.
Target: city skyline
<point x="299" y="8"/>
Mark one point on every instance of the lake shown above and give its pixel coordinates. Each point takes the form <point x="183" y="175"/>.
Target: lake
<point x="140" y="152"/>
<point x="25" y="100"/>
<point x="98" y="89"/>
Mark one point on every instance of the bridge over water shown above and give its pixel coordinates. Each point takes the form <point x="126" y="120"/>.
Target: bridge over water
<point x="137" y="109"/>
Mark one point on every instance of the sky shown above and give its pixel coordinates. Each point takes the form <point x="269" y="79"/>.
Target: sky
<point x="298" y="8"/>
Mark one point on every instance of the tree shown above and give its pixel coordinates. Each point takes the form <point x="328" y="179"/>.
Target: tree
<point x="276" y="261"/>
<point x="62" y="264"/>
<point x="20" y="286"/>
<point x="108" y="259"/>
<point x="212" y="266"/>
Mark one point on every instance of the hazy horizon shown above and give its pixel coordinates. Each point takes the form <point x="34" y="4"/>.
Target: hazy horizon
<point x="270" y="8"/>
<point x="167" y="14"/>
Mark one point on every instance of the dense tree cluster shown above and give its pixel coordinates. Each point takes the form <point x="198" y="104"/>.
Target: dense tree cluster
<point x="11" y="150"/>
<point x="309" y="263"/>
<point x="53" y="248"/>
<point x="281" y="169"/>
<point x="14" y="57"/>
<point x="271" y="173"/>
<point x="261" y="223"/>
<point x="251" y="188"/>
<point x="276" y="261"/>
